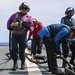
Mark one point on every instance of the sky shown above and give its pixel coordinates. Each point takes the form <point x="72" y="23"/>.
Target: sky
<point x="46" y="11"/>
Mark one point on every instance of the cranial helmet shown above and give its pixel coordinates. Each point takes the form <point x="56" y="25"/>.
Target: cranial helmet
<point x="24" y="4"/>
<point x="70" y="10"/>
<point x="34" y="19"/>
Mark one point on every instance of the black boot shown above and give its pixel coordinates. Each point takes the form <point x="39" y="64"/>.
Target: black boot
<point x="39" y="52"/>
<point x="15" y="65"/>
<point x="72" y="62"/>
<point x="58" y="72"/>
<point x="64" y="64"/>
<point x="23" y="64"/>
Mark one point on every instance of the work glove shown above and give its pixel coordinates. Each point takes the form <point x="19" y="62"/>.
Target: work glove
<point x="15" y="24"/>
<point x="10" y="29"/>
<point x="71" y="40"/>
<point x="26" y="25"/>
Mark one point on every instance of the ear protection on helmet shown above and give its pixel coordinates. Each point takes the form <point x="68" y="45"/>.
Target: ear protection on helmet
<point x="24" y="4"/>
<point x="28" y="9"/>
<point x="69" y="9"/>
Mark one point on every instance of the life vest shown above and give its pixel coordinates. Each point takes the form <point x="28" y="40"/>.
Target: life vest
<point x="68" y="22"/>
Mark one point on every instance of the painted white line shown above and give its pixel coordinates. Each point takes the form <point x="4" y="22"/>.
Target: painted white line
<point x="32" y="68"/>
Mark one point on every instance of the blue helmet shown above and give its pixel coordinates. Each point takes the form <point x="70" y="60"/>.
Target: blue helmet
<point x="25" y="5"/>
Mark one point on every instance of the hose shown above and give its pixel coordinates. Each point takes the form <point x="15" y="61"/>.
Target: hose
<point x="36" y="61"/>
<point x="10" y="42"/>
<point x="28" y="54"/>
<point x="8" y="54"/>
<point x="61" y="57"/>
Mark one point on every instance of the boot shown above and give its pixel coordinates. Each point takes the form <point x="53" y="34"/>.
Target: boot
<point x="15" y="65"/>
<point x="39" y="52"/>
<point x="64" y="64"/>
<point x="23" y="64"/>
<point x="58" y="72"/>
<point x="33" y="56"/>
<point x="72" y="62"/>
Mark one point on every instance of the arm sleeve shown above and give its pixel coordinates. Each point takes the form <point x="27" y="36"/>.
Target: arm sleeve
<point x="61" y="34"/>
<point x="62" y="21"/>
<point x="31" y="24"/>
<point x="9" y="23"/>
<point x="40" y="25"/>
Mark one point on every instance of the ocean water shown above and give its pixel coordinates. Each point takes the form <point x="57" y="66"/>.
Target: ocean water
<point x="29" y="44"/>
<point x="4" y="43"/>
<point x="7" y="43"/>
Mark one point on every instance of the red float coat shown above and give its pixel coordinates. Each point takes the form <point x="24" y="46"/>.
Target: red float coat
<point x="37" y="27"/>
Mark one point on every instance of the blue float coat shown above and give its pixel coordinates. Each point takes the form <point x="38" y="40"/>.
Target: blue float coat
<point x="57" y="32"/>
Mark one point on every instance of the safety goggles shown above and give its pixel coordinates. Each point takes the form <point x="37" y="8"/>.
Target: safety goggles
<point x="70" y="13"/>
<point x="24" y="8"/>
